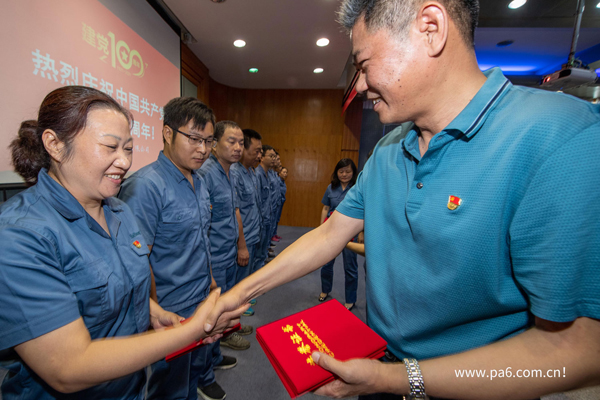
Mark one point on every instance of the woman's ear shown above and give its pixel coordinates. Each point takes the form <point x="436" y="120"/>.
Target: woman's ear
<point x="54" y="146"/>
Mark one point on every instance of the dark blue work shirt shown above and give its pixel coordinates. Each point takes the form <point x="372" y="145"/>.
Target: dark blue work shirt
<point x="58" y="264"/>
<point x="174" y="218"/>
<point x="283" y="190"/>
<point x="223" y="232"/>
<point x="264" y="191"/>
<point x="246" y="195"/>
<point x="275" y="192"/>
<point x="333" y="197"/>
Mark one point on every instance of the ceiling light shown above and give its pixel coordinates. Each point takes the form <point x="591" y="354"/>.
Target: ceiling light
<point x="318" y="70"/>
<point x="253" y="70"/>
<point x="516" y="3"/>
<point x="598" y="5"/>
<point x="322" y="42"/>
<point x="239" y="43"/>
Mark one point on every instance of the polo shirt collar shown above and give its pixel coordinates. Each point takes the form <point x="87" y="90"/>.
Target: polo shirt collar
<point x="171" y="168"/>
<point x="472" y="117"/>
<point x="63" y="201"/>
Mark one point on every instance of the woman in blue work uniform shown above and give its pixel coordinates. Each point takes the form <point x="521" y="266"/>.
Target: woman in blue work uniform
<point x="74" y="268"/>
<point x="343" y="178"/>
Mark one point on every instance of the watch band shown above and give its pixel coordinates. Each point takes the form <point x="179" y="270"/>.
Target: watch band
<point x="415" y="380"/>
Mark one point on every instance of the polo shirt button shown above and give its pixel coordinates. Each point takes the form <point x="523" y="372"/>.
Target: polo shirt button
<point x="420" y="185"/>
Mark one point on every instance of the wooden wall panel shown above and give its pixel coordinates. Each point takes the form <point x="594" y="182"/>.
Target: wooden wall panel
<point x="194" y="70"/>
<point x="305" y="126"/>
<point x="352" y="127"/>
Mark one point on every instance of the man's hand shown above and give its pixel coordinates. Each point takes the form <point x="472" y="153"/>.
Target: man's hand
<point x="212" y="313"/>
<point x="358" y="376"/>
<point x="361" y="237"/>
<point x="243" y="256"/>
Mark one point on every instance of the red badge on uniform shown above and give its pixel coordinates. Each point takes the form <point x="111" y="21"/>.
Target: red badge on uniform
<point x="137" y="244"/>
<point x="454" y="202"/>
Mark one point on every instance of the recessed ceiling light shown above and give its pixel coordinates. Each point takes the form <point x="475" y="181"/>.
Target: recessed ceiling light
<point x="322" y="42"/>
<point x="239" y="43"/>
<point x="516" y="3"/>
<point x="253" y="70"/>
<point x="598" y="5"/>
<point x="318" y="70"/>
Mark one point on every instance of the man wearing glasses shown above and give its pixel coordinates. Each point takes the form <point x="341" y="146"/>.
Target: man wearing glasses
<point x="172" y="207"/>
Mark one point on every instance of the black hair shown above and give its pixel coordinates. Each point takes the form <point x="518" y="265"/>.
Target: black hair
<point x="250" y="134"/>
<point x="344" y="162"/>
<point x="64" y="111"/>
<point x="181" y="110"/>
<point x="222" y="126"/>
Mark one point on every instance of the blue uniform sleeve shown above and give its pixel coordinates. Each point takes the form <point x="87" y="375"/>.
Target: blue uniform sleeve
<point x="144" y="199"/>
<point x="325" y="199"/>
<point x="555" y="233"/>
<point x="34" y="293"/>
<point x="353" y="204"/>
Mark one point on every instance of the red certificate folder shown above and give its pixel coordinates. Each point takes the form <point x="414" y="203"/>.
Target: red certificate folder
<point x="329" y="328"/>
<point x="199" y="343"/>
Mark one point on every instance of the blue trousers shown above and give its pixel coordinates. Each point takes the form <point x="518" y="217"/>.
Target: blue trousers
<point x="242" y="272"/>
<point x="225" y="277"/>
<point x="263" y="251"/>
<point x="350" y="273"/>
<point x="278" y="217"/>
<point x="177" y="380"/>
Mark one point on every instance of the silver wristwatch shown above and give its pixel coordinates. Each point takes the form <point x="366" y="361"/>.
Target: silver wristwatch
<point x="415" y="380"/>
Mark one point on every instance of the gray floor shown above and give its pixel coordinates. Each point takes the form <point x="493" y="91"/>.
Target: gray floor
<point x="254" y="378"/>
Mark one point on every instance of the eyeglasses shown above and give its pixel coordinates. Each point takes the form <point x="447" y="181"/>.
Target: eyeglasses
<point x="196" y="140"/>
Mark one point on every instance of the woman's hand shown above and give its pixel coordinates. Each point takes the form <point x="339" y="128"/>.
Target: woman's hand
<point x="160" y="318"/>
<point x="164" y="319"/>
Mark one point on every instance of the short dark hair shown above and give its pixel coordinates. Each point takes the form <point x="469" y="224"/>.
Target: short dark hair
<point x="397" y="15"/>
<point x="222" y="126"/>
<point x="64" y="111"/>
<point x="344" y="162"/>
<point x="181" y="110"/>
<point x="266" y="148"/>
<point x="250" y="134"/>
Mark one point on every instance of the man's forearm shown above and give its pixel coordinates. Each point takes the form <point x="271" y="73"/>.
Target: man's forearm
<point x="529" y="365"/>
<point x="307" y="254"/>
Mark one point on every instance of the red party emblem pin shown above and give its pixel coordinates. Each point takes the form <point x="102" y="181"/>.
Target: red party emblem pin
<point x="454" y="202"/>
<point x="137" y="244"/>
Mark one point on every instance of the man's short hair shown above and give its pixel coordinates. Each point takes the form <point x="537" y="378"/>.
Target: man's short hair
<point x="250" y="134"/>
<point x="222" y="126"/>
<point x="397" y="15"/>
<point x="181" y="110"/>
<point x="266" y="148"/>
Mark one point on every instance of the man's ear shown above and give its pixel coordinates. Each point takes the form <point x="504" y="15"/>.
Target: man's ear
<point x="54" y="146"/>
<point x="433" y="24"/>
<point x="167" y="134"/>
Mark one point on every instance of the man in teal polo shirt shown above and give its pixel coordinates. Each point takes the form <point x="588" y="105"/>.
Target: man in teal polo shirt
<point x="482" y="227"/>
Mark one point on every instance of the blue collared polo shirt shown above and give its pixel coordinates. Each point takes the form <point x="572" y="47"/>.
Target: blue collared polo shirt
<point x="58" y="264"/>
<point x="264" y="191"/>
<point x="246" y="196"/>
<point x="173" y="217"/>
<point x="223" y="232"/>
<point x="497" y="222"/>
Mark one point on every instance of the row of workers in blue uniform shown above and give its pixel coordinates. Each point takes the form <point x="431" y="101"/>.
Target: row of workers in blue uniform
<point x="63" y="264"/>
